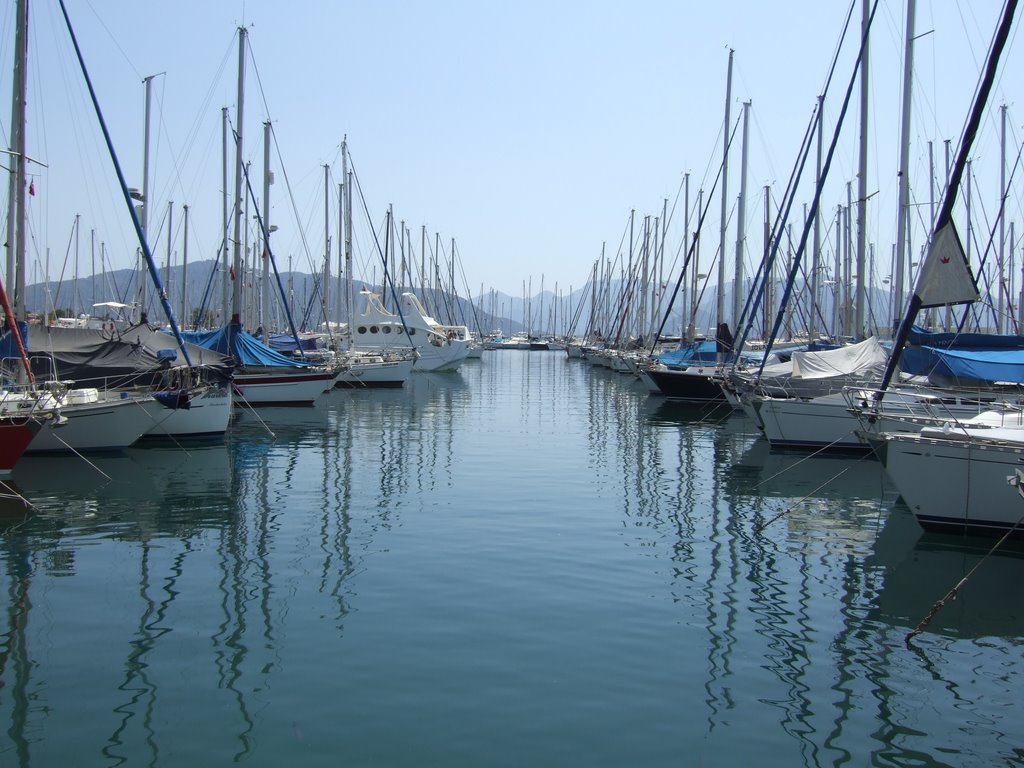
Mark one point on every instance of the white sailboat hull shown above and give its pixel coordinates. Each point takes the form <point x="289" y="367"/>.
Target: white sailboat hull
<point x="107" y="425"/>
<point x="816" y="423"/>
<point x="208" y="415"/>
<point x="956" y="486"/>
<point x="378" y="374"/>
<point x="296" y="387"/>
<point x="441" y="358"/>
<point x="828" y="421"/>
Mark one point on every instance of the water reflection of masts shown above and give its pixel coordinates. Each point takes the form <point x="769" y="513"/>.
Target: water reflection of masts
<point x="790" y="632"/>
<point x="432" y="404"/>
<point x="790" y="649"/>
<point x="851" y="644"/>
<point x="229" y="637"/>
<point x="335" y="544"/>
<point x="724" y="538"/>
<point x="14" y="648"/>
<point x="686" y="530"/>
<point x="141" y="690"/>
<point x="597" y="419"/>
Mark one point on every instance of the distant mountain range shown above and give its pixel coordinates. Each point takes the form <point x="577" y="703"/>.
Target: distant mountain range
<point x="542" y="314"/>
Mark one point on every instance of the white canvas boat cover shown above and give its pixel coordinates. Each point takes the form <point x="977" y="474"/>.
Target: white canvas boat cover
<point x="855" y="358"/>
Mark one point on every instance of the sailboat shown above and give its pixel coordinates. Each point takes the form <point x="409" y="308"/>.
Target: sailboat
<point x="263" y="376"/>
<point x="23" y="410"/>
<point x="959" y="476"/>
<point x="812" y="412"/>
<point x="115" y="420"/>
<point x="365" y="368"/>
<point x="694" y="373"/>
<point x="141" y="362"/>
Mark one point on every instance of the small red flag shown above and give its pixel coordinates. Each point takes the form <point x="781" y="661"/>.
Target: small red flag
<point x="32" y="188"/>
<point x="232" y="271"/>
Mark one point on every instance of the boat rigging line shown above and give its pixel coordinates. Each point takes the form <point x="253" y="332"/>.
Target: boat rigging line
<point x="955" y="591"/>
<point x="812" y="212"/>
<point x="760" y="528"/>
<point x="150" y="263"/>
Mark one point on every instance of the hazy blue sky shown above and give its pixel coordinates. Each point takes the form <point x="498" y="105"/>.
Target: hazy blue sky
<point x="526" y="131"/>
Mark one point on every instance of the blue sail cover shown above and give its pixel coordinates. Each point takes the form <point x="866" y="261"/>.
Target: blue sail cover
<point x="8" y="349"/>
<point x="919" y="337"/>
<point x="247" y="350"/>
<point x="964" y="356"/>
<point x="285" y="342"/>
<point x="696" y="353"/>
<point x="988" y="365"/>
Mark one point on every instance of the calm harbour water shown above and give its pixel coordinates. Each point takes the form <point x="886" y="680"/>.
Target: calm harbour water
<point x="528" y="562"/>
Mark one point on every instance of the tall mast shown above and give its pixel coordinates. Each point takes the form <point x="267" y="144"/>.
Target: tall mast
<point x="76" y="304"/>
<point x="327" y="244"/>
<point x="1020" y="296"/>
<point x="16" y="198"/>
<point x="725" y="197"/>
<point x="423" y="263"/>
<point x="692" y="330"/>
<point x="224" y="266"/>
<point x="627" y="279"/>
<point x="184" y="269"/>
<point x="540" y="312"/>
<point x="340" y="288"/>
<point x="248" y="273"/>
<point x="402" y="265"/>
<point x="436" y="273"/>
<point x="904" y="181"/>
<point x="862" y="181"/>
<point x="848" y="259"/>
<point x="268" y="179"/>
<point x="144" y="208"/>
<point x="769" y="275"/>
<point x="236" y="287"/>
<point x="641" y="314"/>
<point x="741" y="212"/>
<point x="837" y="275"/>
<point x="661" y="265"/>
<point x="653" y="286"/>
<point x="1002" y="273"/>
<point x="347" y="177"/>
<point x="92" y="258"/>
<point x="684" y="310"/>
<point x="170" y="232"/>
<point x="812" y="329"/>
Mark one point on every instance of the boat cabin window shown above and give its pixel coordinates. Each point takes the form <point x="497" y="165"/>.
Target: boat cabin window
<point x="373" y="329"/>
<point x="361" y="329"/>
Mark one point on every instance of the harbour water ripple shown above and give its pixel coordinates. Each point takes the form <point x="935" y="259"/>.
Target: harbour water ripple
<point x="528" y="562"/>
